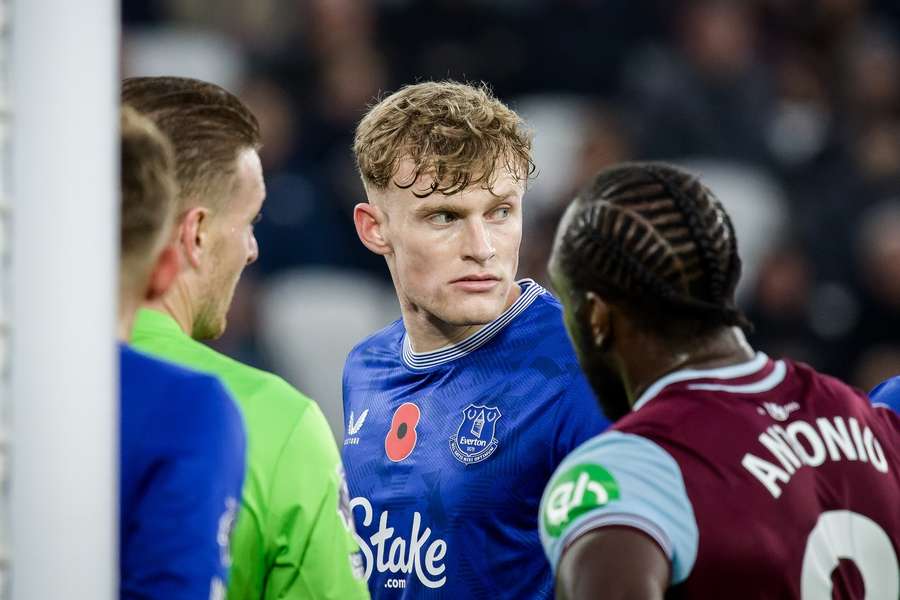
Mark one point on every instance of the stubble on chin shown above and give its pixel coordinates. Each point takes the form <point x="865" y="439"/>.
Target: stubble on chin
<point x="210" y="321"/>
<point x="608" y="387"/>
<point x="469" y="312"/>
<point x="208" y="325"/>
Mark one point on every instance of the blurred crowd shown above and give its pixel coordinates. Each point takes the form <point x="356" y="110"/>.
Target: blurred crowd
<point x="789" y="109"/>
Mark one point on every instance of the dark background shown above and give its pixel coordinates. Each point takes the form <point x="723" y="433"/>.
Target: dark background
<point x="789" y="108"/>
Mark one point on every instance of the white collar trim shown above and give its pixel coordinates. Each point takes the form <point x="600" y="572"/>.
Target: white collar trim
<point x="425" y="360"/>
<point x="730" y="372"/>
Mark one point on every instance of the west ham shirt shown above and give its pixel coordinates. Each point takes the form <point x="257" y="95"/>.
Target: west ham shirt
<point x="760" y="480"/>
<point x="447" y="452"/>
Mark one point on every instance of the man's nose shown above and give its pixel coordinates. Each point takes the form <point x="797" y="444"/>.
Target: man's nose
<point x="479" y="244"/>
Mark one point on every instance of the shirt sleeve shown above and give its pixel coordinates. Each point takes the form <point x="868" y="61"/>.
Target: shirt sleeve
<point x="317" y="555"/>
<point x="620" y="479"/>
<point x="176" y="543"/>
<point x="578" y="418"/>
<point x="887" y="394"/>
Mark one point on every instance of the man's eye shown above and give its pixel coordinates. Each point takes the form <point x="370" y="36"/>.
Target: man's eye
<point x="442" y="218"/>
<point x="502" y="212"/>
<point x="257" y="218"/>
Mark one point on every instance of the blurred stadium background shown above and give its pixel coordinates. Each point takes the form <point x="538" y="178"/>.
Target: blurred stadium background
<point x="789" y="108"/>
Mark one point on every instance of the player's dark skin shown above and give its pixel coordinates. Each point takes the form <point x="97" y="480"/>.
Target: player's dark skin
<point x="620" y="563"/>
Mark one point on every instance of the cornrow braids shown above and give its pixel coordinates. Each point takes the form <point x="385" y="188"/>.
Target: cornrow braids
<point x="652" y="236"/>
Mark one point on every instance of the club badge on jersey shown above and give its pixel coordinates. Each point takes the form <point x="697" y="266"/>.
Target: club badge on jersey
<point x="475" y="440"/>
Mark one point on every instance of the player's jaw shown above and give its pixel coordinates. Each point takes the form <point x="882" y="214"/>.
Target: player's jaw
<point x="212" y="317"/>
<point x="598" y="365"/>
<point x="229" y="257"/>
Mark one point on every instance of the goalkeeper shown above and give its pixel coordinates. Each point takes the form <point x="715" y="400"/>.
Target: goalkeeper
<point x="182" y="440"/>
<point x="293" y="537"/>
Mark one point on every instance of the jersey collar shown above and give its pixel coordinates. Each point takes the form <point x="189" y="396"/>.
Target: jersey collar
<point x="153" y="321"/>
<point x="745" y="369"/>
<point x="419" y="361"/>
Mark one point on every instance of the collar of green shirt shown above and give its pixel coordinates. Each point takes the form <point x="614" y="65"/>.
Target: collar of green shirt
<point x="148" y="320"/>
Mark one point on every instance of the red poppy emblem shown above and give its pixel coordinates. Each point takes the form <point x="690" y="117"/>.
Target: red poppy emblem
<point x="401" y="439"/>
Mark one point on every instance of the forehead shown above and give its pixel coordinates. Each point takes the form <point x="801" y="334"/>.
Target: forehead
<point x="503" y="184"/>
<point x="249" y="183"/>
<point x="554" y="268"/>
<point x="564" y="223"/>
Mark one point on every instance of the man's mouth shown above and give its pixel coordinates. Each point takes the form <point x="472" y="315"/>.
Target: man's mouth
<point x="476" y="283"/>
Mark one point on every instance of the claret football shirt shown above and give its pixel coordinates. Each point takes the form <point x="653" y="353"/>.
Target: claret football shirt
<point x="763" y="479"/>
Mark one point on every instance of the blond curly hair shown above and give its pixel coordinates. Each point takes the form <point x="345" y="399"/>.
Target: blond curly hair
<point x="458" y="134"/>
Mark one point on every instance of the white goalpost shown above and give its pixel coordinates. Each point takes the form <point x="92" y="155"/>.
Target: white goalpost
<point x="5" y="214"/>
<point x="59" y="390"/>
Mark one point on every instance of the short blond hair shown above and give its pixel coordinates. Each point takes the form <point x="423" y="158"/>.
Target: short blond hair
<point x="459" y="134"/>
<point x="148" y="190"/>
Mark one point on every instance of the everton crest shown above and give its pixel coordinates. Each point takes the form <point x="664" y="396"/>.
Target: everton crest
<point x="475" y="440"/>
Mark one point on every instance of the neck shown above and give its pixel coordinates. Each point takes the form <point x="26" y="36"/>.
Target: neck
<point x="126" y="320"/>
<point x="427" y="332"/>
<point x="177" y="304"/>
<point x="653" y="360"/>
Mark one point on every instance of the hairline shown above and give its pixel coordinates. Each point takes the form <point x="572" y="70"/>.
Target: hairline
<point x="219" y="184"/>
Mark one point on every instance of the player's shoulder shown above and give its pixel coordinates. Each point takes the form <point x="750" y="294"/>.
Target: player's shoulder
<point x="620" y="479"/>
<point x="133" y="361"/>
<point x="827" y="394"/>
<point x="247" y="382"/>
<point x="817" y="382"/>
<point x="272" y="408"/>
<point x="887" y="393"/>
<point x="618" y="447"/>
<point x="542" y="305"/>
<point x="288" y="427"/>
<point x="141" y="371"/>
<point x="542" y="317"/>
<point x="179" y="392"/>
<point x="383" y="345"/>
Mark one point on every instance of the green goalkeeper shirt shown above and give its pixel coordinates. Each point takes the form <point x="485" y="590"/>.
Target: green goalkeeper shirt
<point x="293" y="537"/>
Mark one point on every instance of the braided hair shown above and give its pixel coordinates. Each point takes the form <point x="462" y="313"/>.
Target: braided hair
<point x="653" y="238"/>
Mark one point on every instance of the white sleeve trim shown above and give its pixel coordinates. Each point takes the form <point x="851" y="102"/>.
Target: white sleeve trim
<point x="620" y="519"/>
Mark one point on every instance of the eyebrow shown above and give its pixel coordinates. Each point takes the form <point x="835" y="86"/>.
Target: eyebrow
<point x="507" y="194"/>
<point x="430" y="209"/>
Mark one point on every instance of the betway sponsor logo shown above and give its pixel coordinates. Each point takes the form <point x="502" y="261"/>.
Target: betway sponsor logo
<point x="399" y="554"/>
<point x="804" y="443"/>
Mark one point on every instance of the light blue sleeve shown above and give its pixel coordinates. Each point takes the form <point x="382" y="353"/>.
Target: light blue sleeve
<point x="620" y="479"/>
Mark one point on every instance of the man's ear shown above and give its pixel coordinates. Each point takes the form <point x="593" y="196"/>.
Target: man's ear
<point x="193" y="235"/>
<point x="370" y="221"/>
<point x="164" y="273"/>
<point x="599" y="318"/>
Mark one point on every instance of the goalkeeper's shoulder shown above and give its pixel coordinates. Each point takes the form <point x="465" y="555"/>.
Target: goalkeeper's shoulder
<point x="275" y="412"/>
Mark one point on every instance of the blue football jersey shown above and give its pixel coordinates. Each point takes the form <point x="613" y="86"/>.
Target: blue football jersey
<point x="182" y="466"/>
<point x="887" y="393"/>
<point x="447" y="452"/>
